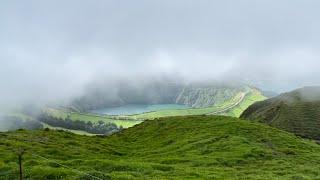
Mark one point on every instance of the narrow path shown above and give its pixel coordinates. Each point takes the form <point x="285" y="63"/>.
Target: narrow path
<point x="230" y="107"/>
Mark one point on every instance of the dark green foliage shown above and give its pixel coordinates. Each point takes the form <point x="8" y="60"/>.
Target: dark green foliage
<point x="190" y="147"/>
<point x="101" y="127"/>
<point x="297" y="112"/>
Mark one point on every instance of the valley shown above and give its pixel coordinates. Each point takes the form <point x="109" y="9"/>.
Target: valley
<point x="159" y="90"/>
<point x="132" y="114"/>
<point x="166" y="142"/>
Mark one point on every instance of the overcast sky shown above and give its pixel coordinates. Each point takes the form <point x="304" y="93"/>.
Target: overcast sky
<point x="58" y="46"/>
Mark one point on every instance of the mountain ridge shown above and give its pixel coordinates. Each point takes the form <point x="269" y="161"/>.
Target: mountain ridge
<point x="297" y="111"/>
<point x="197" y="95"/>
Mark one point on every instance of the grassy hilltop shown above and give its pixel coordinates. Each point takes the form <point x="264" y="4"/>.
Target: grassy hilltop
<point x="190" y="147"/>
<point x="297" y="111"/>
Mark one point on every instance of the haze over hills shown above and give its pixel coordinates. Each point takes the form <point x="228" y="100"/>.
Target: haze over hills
<point x="198" y="94"/>
<point x="135" y="102"/>
<point x="297" y="111"/>
<point x="130" y="104"/>
<point x="153" y="89"/>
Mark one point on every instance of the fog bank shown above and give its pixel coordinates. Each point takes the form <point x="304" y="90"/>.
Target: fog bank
<point x="50" y="51"/>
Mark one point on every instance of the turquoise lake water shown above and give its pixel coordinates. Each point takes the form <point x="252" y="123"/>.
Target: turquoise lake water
<point x="137" y="109"/>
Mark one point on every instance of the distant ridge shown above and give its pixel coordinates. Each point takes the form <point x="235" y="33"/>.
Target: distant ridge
<point x="197" y="95"/>
<point x="297" y="111"/>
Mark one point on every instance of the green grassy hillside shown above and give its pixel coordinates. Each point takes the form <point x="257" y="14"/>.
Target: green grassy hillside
<point x="198" y="96"/>
<point x="297" y="111"/>
<point x="252" y="96"/>
<point x="190" y="147"/>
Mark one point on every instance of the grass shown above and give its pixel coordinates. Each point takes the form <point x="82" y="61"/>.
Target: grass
<point x="79" y="132"/>
<point x="190" y="147"/>
<point x="252" y="97"/>
<point x="297" y="112"/>
<point x="186" y="112"/>
<point x="91" y="117"/>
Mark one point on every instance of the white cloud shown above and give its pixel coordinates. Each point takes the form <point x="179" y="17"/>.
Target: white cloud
<point x="51" y="50"/>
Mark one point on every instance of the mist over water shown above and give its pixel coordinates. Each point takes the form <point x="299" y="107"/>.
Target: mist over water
<point x="53" y="51"/>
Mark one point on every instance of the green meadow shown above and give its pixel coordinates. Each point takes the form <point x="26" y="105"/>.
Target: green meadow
<point x="60" y="113"/>
<point x="188" y="147"/>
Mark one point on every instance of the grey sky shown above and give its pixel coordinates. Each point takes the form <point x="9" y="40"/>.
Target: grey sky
<point x="56" y="47"/>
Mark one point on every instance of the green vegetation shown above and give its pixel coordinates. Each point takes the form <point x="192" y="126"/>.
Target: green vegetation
<point x="100" y="128"/>
<point x="232" y="107"/>
<point x="131" y="109"/>
<point x="201" y="96"/>
<point x="189" y="147"/>
<point x="195" y="95"/>
<point x="79" y="132"/>
<point x="191" y="111"/>
<point x="297" y="112"/>
<point x="252" y="97"/>
<point x="94" y="118"/>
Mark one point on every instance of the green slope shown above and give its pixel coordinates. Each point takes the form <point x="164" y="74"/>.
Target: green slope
<point x="190" y="147"/>
<point x="297" y="111"/>
<point x="252" y="96"/>
<point x="202" y="96"/>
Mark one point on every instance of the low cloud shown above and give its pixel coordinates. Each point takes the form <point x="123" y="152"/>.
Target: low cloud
<point x="51" y="50"/>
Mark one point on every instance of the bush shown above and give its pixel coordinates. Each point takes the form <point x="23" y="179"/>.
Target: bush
<point x="99" y="128"/>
